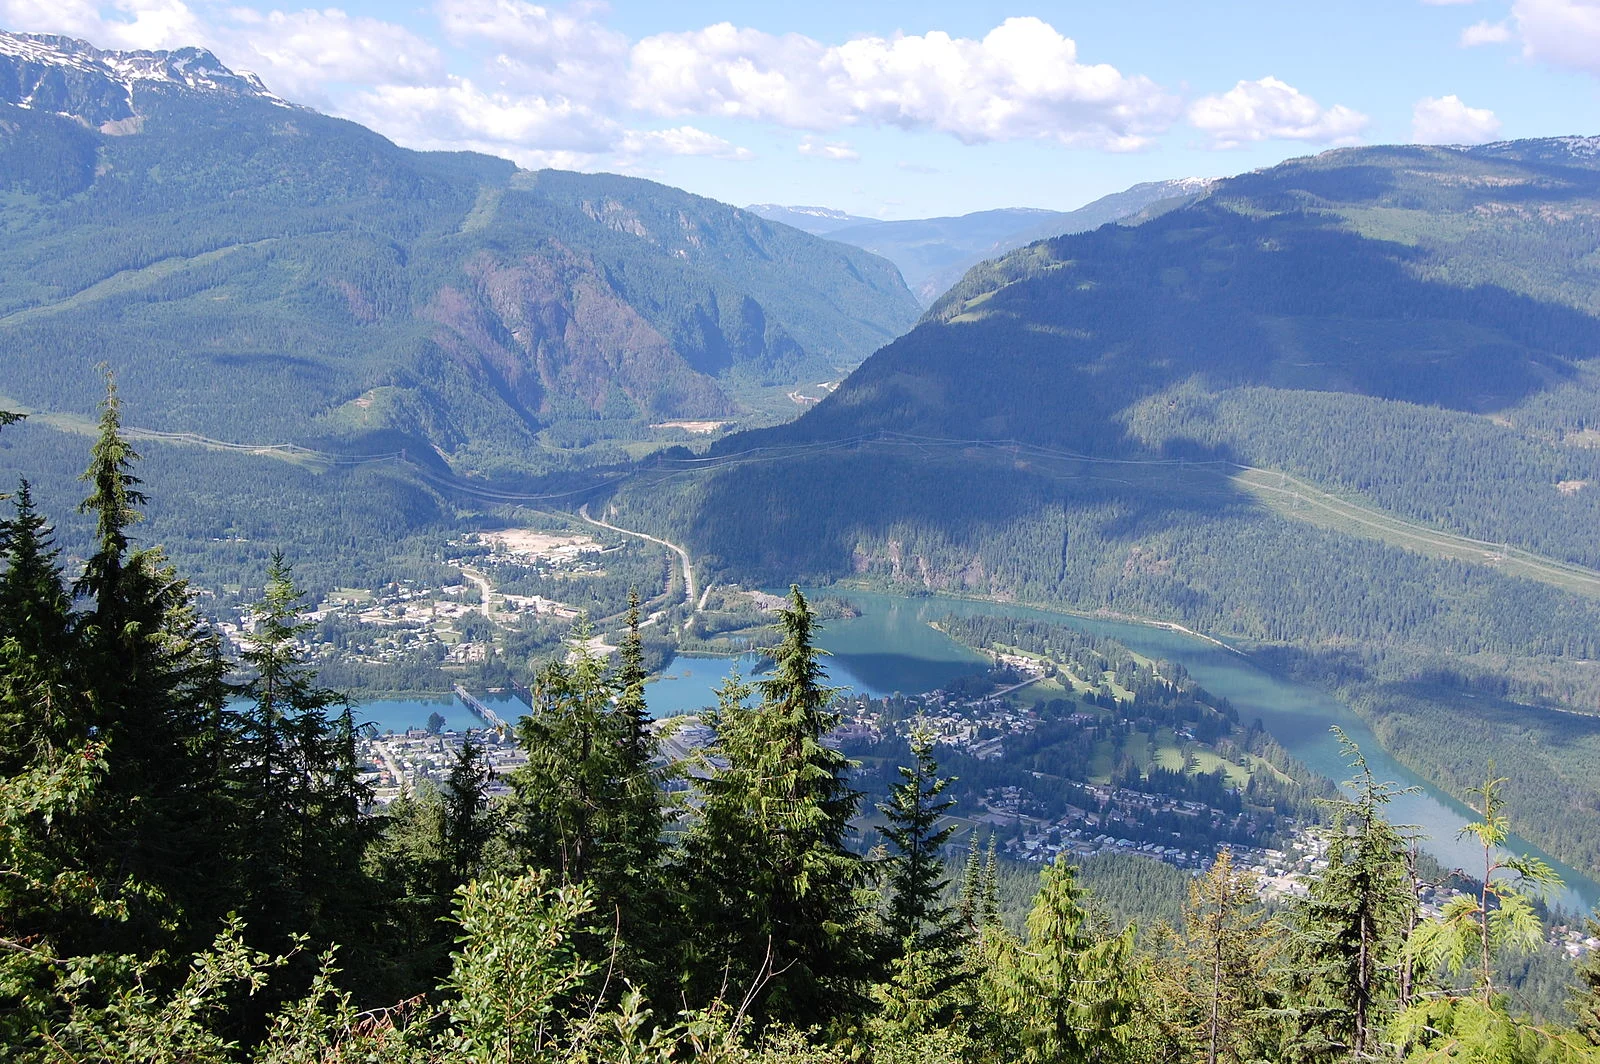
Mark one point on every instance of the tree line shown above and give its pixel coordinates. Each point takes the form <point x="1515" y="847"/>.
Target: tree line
<point x="190" y="871"/>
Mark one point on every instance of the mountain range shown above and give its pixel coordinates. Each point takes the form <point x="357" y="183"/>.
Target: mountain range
<point x="1341" y="413"/>
<point x="934" y="253"/>
<point x="225" y="250"/>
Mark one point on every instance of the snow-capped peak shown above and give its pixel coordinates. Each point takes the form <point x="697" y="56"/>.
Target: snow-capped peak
<point x="100" y="84"/>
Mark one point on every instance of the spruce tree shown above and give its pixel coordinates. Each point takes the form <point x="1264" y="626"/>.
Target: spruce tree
<point x="154" y="678"/>
<point x="918" y="916"/>
<point x="297" y="792"/>
<point x="586" y="805"/>
<point x="925" y="933"/>
<point x="38" y="710"/>
<point x="631" y="674"/>
<point x="466" y="826"/>
<point x="775" y="883"/>
<point x="569" y="789"/>
<point x="1349" y="933"/>
<point x="1066" y="993"/>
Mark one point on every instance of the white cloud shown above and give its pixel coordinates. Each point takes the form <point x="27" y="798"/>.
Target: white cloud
<point x="1564" y="33"/>
<point x="1270" y="109"/>
<point x="837" y="150"/>
<point x="1021" y="81"/>
<point x="457" y="115"/>
<point x="129" y="24"/>
<point x="300" y="53"/>
<point x="1446" y="120"/>
<point x="567" y="52"/>
<point x="684" y="140"/>
<point x="1485" y="32"/>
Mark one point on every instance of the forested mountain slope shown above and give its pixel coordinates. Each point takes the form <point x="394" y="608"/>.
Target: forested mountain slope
<point x="260" y="272"/>
<point x="1413" y="329"/>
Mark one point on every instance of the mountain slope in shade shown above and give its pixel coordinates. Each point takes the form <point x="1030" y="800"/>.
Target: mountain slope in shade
<point x="1416" y="328"/>
<point x="226" y="251"/>
<point x="1404" y="345"/>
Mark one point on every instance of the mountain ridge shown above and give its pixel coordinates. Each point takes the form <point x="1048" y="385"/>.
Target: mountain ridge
<point x="934" y="253"/>
<point x="186" y="218"/>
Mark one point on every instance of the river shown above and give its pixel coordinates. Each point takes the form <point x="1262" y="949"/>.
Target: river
<point x="891" y="647"/>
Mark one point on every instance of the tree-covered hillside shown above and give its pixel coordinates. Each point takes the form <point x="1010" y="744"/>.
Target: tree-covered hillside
<point x="264" y="273"/>
<point x="1100" y="421"/>
<point x="193" y="871"/>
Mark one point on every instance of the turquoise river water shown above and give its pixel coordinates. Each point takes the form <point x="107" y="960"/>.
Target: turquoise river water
<point x="891" y="647"/>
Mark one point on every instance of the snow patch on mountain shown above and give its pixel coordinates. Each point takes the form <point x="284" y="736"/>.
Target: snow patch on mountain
<point x="98" y="86"/>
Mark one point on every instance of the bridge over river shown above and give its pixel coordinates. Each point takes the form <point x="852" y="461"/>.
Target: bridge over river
<point x="476" y="704"/>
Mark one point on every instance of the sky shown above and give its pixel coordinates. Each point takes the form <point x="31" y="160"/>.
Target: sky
<point x="891" y="109"/>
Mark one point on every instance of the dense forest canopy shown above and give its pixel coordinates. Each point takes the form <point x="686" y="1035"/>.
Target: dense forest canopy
<point x="192" y="873"/>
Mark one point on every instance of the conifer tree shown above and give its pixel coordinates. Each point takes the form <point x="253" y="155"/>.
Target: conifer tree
<point x="586" y="805"/>
<point x="466" y="827"/>
<point x="925" y="933"/>
<point x="570" y="788"/>
<point x="154" y="677"/>
<point x="297" y="793"/>
<point x="631" y="675"/>
<point x="1349" y="932"/>
<point x="969" y="900"/>
<point x="37" y="711"/>
<point x="1586" y="1004"/>
<point x="1067" y="992"/>
<point x="917" y="914"/>
<point x="775" y="885"/>
<point x="1213" y="987"/>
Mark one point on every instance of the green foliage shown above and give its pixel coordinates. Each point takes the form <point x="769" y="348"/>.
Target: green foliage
<point x="1212" y="993"/>
<point x="776" y="885"/>
<point x="587" y="805"/>
<point x="295" y="791"/>
<point x="1066" y="993"/>
<point x="562" y="898"/>
<point x="1586" y="1002"/>
<point x="1347" y="966"/>
<point x="516" y="973"/>
<point x="1471" y="930"/>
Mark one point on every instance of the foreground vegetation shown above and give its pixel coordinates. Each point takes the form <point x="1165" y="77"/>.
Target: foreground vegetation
<point x="188" y="873"/>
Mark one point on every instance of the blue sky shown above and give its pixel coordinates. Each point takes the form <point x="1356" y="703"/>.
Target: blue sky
<point x="895" y="109"/>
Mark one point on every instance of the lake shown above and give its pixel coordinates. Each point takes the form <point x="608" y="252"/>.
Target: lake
<point x="891" y="647"/>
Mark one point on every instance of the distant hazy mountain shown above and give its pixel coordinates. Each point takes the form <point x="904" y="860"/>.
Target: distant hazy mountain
<point x="933" y="253"/>
<point x="228" y="252"/>
<point x="819" y="221"/>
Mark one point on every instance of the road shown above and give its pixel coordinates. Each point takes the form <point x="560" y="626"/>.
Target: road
<point x="483" y="586"/>
<point x="1289" y="496"/>
<point x="1298" y="499"/>
<point x="689" y="595"/>
<point x="1014" y="687"/>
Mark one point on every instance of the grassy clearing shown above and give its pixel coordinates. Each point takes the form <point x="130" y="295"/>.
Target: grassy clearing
<point x="1297" y="499"/>
<point x="126" y="281"/>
